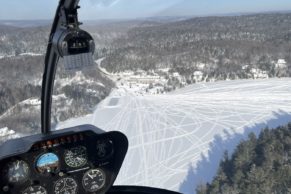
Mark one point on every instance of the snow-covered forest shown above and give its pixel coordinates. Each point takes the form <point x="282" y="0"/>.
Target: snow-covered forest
<point x="178" y="52"/>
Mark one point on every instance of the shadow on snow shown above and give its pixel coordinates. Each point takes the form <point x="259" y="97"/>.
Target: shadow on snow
<point x="207" y="167"/>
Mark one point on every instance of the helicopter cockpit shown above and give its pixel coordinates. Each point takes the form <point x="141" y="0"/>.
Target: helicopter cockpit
<point x="77" y="160"/>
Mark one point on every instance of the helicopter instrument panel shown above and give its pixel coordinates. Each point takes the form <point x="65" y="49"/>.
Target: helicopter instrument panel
<point x="83" y="159"/>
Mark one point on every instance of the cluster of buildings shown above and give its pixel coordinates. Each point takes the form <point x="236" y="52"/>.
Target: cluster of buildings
<point x="280" y="65"/>
<point x="154" y="82"/>
<point x="259" y="74"/>
<point x="140" y="77"/>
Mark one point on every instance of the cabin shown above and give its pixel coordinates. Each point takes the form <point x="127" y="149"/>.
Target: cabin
<point x="281" y="64"/>
<point x="198" y="76"/>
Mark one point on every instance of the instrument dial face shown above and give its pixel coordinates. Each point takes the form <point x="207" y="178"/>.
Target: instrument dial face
<point x="35" y="190"/>
<point x="17" y="171"/>
<point x="76" y="157"/>
<point x="47" y="163"/>
<point x="66" y="186"/>
<point x="94" y="180"/>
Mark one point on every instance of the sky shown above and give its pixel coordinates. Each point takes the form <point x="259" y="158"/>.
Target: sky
<point x="131" y="9"/>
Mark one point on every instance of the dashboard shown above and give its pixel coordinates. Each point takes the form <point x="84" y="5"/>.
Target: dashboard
<point x="77" y="160"/>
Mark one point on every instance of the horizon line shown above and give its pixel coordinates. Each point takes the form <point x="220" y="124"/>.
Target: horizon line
<point x="227" y="14"/>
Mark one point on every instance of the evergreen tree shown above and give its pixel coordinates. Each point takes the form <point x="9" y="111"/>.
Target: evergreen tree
<point x="258" y="166"/>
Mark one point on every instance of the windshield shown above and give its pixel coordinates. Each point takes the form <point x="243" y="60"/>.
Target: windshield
<point x="186" y="81"/>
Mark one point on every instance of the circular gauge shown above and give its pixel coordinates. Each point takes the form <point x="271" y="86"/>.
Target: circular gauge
<point x="104" y="149"/>
<point x="76" y="157"/>
<point x="35" y="190"/>
<point x="66" y="186"/>
<point x="47" y="163"/>
<point x="94" y="180"/>
<point x="17" y="171"/>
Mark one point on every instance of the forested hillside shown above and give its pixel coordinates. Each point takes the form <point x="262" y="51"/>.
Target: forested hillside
<point x="215" y="48"/>
<point x="75" y="93"/>
<point x="258" y="165"/>
<point x="222" y="44"/>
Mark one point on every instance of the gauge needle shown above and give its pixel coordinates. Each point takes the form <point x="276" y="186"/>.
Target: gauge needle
<point x="90" y="176"/>
<point x="17" y="165"/>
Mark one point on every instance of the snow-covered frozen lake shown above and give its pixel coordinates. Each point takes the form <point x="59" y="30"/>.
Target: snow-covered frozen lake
<point x="173" y="136"/>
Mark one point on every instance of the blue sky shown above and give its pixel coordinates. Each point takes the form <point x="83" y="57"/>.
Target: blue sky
<point x="122" y="9"/>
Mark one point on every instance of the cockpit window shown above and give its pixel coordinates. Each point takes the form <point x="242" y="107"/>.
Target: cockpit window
<point x="184" y="80"/>
<point x="24" y="29"/>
